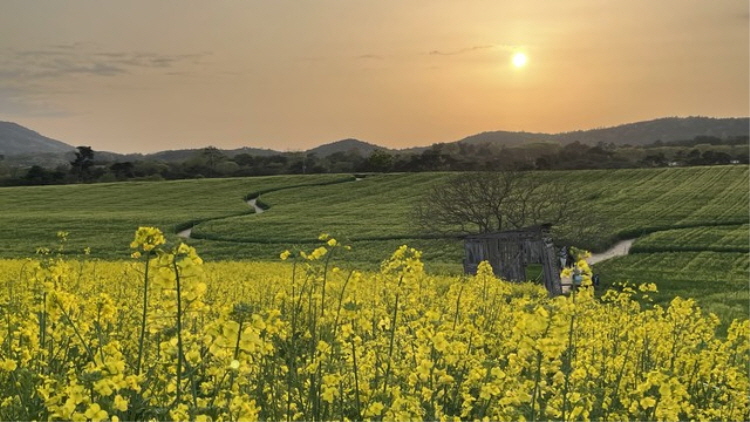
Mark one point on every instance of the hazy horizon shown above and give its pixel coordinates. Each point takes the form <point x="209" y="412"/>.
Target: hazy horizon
<point x="406" y="147"/>
<point x="143" y="76"/>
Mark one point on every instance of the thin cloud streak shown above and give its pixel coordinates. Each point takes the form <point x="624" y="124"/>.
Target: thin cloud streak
<point x="61" y="61"/>
<point x="472" y="49"/>
<point x="370" y="57"/>
<point x="26" y="103"/>
<point x="31" y="80"/>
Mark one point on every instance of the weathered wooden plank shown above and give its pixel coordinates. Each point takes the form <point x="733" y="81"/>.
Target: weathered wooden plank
<point x="510" y="252"/>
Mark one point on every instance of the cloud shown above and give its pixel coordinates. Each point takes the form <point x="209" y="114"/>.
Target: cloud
<point x="472" y="49"/>
<point x="152" y="60"/>
<point x="25" y="66"/>
<point x="27" y="103"/>
<point x="370" y="57"/>
<point x="58" y="61"/>
<point x="460" y="51"/>
<point x="32" y="81"/>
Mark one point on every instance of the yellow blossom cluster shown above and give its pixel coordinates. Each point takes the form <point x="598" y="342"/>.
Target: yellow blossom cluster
<point x="147" y="238"/>
<point x="167" y="337"/>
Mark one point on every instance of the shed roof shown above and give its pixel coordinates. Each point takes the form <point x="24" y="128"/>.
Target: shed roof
<point x="526" y="232"/>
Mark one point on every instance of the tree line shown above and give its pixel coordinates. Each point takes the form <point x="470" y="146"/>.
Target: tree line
<point x="210" y="162"/>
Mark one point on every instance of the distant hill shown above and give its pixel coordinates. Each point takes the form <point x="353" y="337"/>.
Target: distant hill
<point x="18" y="140"/>
<point x="251" y="151"/>
<point x="507" y="138"/>
<point x="640" y="133"/>
<point x="346" y="145"/>
<point x="29" y="147"/>
<point x="184" y="154"/>
<point x="666" y="129"/>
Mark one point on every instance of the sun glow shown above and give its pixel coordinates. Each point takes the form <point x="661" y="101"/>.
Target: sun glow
<point x="519" y="59"/>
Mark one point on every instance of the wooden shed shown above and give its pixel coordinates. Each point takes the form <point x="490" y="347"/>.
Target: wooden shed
<point x="510" y="252"/>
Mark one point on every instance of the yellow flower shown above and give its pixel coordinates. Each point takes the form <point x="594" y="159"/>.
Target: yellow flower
<point x="147" y="238"/>
<point x="647" y="402"/>
<point x="121" y="403"/>
<point x="103" y="387"/>
<point x="374" y="409"/>
<point x="8" y="365"/>
<point x="328" y="394"/>
<point x="96" y="413"/>
<point x="648" y="287"/>
<point x="318" y="253"/>
<point x="285" y="255"/>
<point x="439" y="342"/>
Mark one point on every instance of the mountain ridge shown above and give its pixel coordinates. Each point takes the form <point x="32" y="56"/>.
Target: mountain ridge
<point x="16" y="140"/>
<point x="664" y="129"/>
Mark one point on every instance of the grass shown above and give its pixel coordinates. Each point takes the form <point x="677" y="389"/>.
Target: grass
<point x="377" y="207"/>
<point x="633" y="202"/>
<point x="372" y="214"/>
<point x="732" y="238"/>
<point x="105" y="216"/>
<point x="718" y="281"/>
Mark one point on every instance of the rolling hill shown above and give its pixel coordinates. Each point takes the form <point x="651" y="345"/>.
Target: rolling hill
<point x="640" y="133"/>
<point x="346" y="145"/>
<point x="17" y="140"/>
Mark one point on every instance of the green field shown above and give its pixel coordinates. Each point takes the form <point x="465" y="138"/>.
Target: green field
<point x="373" y="213"/>
<point x="105" y="216"/>
<point x="730" y="238"/>
<point x="691" y="223"/>
<point x="634" y="201"/>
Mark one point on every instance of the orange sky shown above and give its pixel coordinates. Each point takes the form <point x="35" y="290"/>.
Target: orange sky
<point x="143" y="76"/>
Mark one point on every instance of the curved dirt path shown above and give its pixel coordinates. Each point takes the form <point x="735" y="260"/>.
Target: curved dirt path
<point x="253" y="203"/>
<point x="620" y="248"/>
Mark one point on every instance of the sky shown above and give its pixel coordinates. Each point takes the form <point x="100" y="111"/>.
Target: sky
<point x="144" y="76"/>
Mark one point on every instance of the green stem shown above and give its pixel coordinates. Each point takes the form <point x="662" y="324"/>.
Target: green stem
<point x="341" y="301"/>
<point x="538" y="378"/>
<point x="458" y="307"/>
<point x="179" y="329"/>
<point x="290" y="351"/>
<point x="392" y="336"/>
<point x="356" y="382"/>
<point x="325" y="279"/>
<point x="536" y="385"/>
<point x="143" y="319"/>
<point x="234" y="356"/>
<point x="617" y="381"/>
<point x="75" y="329"/>
<point x="568" y="366"/>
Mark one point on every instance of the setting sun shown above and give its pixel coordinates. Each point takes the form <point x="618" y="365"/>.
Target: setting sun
<point x="519" y="59"/>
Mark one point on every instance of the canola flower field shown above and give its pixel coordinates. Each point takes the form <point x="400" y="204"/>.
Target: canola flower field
<point x="718" y="282"/>
<point x="166" y="336"/>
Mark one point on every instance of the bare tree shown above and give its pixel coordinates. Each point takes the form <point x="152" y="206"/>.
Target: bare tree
<point x="483" y="202"/>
